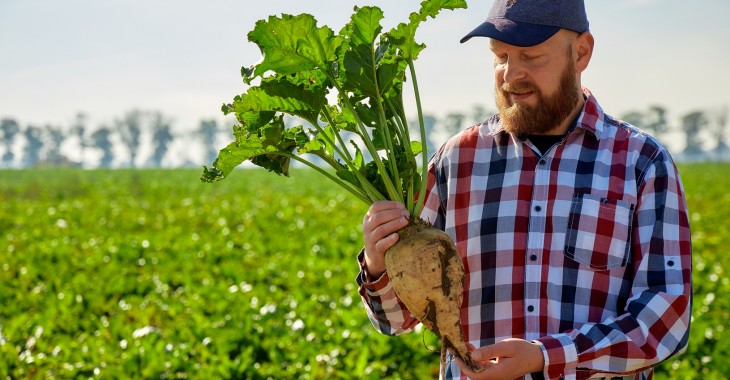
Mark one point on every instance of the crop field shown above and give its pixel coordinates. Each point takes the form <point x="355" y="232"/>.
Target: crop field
<point x="152" y="274"/>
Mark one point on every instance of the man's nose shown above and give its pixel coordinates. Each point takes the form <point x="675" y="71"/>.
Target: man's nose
<point x="513" y="71"/>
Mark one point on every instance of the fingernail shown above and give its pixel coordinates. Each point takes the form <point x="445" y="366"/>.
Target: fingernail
<point x="476" y="355"/>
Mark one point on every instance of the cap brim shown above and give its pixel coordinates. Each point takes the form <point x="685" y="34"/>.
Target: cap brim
<point x="514" y="33"/>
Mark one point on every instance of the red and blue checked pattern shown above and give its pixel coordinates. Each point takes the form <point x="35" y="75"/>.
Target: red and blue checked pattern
<point x="585" y="250"/>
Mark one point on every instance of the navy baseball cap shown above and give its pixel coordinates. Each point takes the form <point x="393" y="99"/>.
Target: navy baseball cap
<point x="530" y="22"/>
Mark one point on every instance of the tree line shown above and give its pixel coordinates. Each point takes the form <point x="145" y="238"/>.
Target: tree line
<point x="704" y="131"/>
<point x="118" y="144"/>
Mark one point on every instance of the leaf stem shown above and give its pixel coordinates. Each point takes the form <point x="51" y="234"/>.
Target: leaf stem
<point x="424" y="148"/>
<point x="373" y="193"/>
<point x="402" y="131"/>
<point x="368" y="187"/>
<point x="390" y="150"/>
<point x="328" y="140"/>
<point x="353" y="190"/>
<point x="392" y="193"/>
<point x="401" y="118"/>
<point x="337" y="134"/>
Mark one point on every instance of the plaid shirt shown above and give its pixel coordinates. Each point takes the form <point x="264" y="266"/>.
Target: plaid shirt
<point x="585" y="249"/>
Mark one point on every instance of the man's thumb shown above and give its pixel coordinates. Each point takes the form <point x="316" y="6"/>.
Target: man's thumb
<point x="477" y="355"/>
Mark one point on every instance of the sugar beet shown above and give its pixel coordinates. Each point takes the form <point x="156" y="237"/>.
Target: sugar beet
<point x="427" y="274"/>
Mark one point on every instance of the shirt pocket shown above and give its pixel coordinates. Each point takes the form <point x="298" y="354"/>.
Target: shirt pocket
<point x="599" y="231"/>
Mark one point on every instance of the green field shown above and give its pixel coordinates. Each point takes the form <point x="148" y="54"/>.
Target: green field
<point x="151" y="274"/>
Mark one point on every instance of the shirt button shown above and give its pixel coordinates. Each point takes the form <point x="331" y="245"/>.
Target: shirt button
<point x="530" y="308"/>
<point x="542" y="162"/>
<point x="533" y="257"/>
<point x="538" y="208"/>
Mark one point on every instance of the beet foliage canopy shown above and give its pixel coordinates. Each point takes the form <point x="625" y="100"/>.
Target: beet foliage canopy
<point x="348" y="87"/>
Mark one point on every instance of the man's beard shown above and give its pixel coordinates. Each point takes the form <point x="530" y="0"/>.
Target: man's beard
<point x="547" y="114"/>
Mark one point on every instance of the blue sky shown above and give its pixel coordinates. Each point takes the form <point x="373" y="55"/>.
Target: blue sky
<point x="183" y="57"/>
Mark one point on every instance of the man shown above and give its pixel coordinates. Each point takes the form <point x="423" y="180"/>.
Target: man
<point x="572" y="226"/>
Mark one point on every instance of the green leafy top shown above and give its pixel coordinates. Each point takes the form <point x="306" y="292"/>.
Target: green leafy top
<point x="304" y="66"/>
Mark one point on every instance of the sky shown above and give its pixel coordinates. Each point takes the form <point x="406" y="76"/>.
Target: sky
<point x="183" y="58"/>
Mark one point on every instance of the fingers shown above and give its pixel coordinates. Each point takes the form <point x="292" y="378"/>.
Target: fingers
<point x="380" y="224"/>
<point x="378" y="206"/>
<point x="503" y="349"/>
<point x="465" y="370"/>
<point x="383" y="218"/>
<point x="507" y="359"/>
<point x="483" y="354"/>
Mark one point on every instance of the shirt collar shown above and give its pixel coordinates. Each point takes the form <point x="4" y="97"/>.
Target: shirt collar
<point x="591" y="117"/>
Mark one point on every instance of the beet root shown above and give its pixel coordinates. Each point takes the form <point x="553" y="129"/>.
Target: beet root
<point x="427" y="274"/>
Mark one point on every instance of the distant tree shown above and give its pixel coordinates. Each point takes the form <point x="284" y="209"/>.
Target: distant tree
<point x="161" y="138"/>
<point x="208" y="133"/>
<point x="454" y="123"/>
<point x="429" y="122"/>
<point x="130" y="131"/>
<point x="101" y="139"/>
<point x="653" y="121"/>
<point x="33" y="146"/>
<point x="656" y="120"/>
<point x="480" y="113"/>
<point x="720" y="132"/>
<point x="692" y="124"/>
<point x="9" y="129"/>
<point x="78" y="129"/>
<point x="635" y="118"/>
<point x="54" y="139"/>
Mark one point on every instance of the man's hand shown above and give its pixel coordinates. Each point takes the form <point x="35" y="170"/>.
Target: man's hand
<point x="507" y="359"/>
<point x="379" y="228"/>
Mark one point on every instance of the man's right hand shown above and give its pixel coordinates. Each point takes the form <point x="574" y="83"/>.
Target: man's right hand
<point x="379" y="228"/>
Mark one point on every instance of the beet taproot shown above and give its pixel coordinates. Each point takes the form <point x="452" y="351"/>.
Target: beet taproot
<point x="427" y="274"/>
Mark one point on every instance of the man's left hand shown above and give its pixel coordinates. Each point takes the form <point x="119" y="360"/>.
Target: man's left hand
<point x="507" y="359"/>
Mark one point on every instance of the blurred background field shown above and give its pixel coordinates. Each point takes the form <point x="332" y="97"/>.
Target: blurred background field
<point x="152" y="274"/>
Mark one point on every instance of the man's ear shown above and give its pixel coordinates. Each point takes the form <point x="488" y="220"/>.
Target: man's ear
<point x="582" y="50"/>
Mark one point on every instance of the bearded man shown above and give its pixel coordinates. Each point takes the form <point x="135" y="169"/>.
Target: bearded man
<point x="572" y="225"/>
